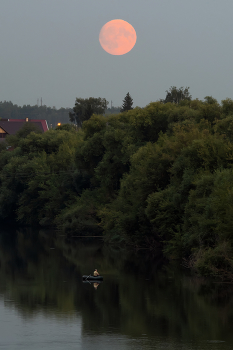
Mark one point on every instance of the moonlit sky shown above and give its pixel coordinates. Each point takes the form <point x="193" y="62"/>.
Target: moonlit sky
<point x="51" y="49"/>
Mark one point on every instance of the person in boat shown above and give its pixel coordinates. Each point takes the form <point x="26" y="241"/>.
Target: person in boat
<point x="96" y="273"/>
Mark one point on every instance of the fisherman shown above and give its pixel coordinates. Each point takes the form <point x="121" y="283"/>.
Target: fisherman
<point x="96" y="273"/>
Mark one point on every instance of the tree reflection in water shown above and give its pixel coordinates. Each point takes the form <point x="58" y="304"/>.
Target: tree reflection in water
<point x="139" y="295"/>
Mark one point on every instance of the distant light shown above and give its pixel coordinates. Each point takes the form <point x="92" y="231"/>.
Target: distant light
<point x="58" y="124"/>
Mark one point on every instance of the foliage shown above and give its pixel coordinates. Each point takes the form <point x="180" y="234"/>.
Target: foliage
<point x="127" y="104"/>
<point x="80" y="217"/>
<point x="175" y="95"/>
<point x="67" y="127"/>
<point x="156" y="177"/>
<point x="225" y="127"/>
<point x="85" y="107"/>
<point x="38" y="178"/>
<point x="27" y="128"/>
<point x="227" y="106"/>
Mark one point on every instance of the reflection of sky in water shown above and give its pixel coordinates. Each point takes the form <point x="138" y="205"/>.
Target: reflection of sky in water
<point x="39" y="332"/>
<point x="62" y="332"/>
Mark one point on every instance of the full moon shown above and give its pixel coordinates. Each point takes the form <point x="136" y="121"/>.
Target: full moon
<point x="117" y="37"/>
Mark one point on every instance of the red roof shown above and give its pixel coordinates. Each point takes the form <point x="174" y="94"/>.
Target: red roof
<point x="11" y="126"/>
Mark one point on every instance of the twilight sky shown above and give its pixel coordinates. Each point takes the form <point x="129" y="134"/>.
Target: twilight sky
<point x="51" y="49"/>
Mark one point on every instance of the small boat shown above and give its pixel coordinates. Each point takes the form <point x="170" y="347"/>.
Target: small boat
<point x="93" y="281"/>
<point x="92" y="278"/>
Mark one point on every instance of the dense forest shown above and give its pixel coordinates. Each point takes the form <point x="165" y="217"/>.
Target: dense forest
<point x="158" y="177"/>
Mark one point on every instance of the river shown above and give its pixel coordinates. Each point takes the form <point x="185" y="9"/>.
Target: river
<point x="142" y="303"/>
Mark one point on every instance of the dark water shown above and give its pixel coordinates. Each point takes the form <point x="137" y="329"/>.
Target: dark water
<point x="141" y="304"/>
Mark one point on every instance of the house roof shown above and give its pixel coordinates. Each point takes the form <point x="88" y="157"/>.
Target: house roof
<point x="11" y="126"/>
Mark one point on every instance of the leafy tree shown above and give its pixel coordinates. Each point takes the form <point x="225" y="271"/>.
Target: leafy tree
<point x="67" y="127"/>
<point x="225" y="126"/>
<point x="127" y="103"/>
<point x="159" y="176"/>
<point x="210" y="100"/>
<point x="150" y="167"/>
<point x="227" y="106"/>
<point x="175" y="95"/>
<point x="27" y="128"/>
<point x="85" y="107"/>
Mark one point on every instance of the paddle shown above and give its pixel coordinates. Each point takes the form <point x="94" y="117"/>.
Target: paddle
<point x="87" y="277"/>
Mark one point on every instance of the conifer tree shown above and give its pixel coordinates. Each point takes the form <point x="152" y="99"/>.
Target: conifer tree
<point x="127" y="103"/>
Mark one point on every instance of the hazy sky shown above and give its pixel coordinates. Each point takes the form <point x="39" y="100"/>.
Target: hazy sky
<point x="51" y="49"/>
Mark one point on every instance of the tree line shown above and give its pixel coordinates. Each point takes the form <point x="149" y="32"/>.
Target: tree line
<point x="158" y="177"/>
<point x="85" y="107"/>
<point x="8" y="110"/>
<point x="83" y="110"/>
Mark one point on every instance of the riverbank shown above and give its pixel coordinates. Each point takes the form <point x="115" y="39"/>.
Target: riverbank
<point x="158" y="177"/>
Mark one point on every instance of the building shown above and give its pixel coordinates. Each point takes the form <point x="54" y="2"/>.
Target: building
<point x="11" y="126"/>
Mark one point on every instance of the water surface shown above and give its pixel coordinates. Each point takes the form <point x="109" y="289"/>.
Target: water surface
<point x="141" y="304"/>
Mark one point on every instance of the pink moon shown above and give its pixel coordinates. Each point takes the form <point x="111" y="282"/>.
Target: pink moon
<point x="117" y="37"/>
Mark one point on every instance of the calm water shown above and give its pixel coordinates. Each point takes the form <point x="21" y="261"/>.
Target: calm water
<point x="141" y="303"/>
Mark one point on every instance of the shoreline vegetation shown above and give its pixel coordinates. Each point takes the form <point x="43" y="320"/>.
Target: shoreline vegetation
<point x="158" y="177"/>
